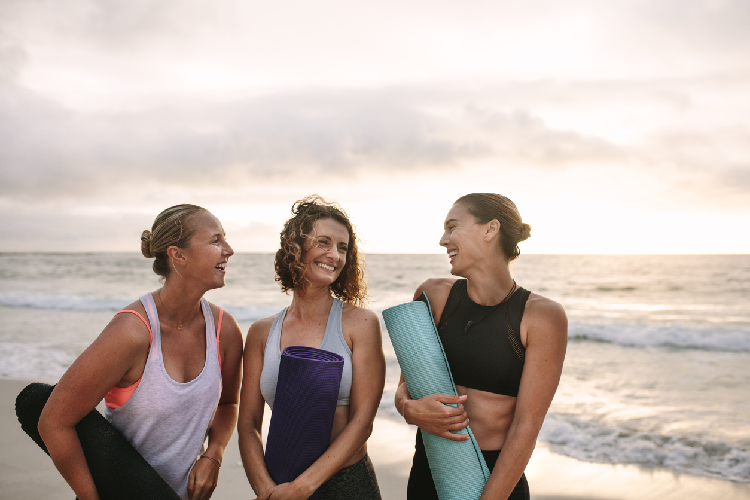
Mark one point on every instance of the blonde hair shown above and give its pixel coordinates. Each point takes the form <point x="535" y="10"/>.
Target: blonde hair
<point x="488" y="206"/>
<point x="171" y="228"/>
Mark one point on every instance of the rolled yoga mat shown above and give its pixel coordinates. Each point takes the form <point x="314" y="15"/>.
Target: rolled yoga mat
<point x="458" y="467"/>
<point x="303" y="410"/>
<point x="119" y="471"/>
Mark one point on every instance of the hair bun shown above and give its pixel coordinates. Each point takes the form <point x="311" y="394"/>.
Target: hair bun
<point x="146" y="244"/>
<point x="525" y="232"/>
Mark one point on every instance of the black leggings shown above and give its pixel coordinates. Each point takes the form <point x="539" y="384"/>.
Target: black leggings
<point x="421" y="486"/>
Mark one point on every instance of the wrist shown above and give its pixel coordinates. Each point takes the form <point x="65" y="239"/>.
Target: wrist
<point x="306" y="487"/>
<point x="406" y="411"/>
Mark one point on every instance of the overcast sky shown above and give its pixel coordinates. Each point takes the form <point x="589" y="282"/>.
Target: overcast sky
<point x="616" y="127"/>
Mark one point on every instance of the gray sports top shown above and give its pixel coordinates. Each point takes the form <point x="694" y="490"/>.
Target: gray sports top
<point x="165" y="420"/>
<point x="333" y="341"/>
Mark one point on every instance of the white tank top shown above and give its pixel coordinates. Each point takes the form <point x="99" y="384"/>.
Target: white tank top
<point x="167" y="421"/>
<point x="333" y="341"/>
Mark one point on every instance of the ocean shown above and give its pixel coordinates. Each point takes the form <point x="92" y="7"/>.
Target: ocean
<point x="657" y="371"/>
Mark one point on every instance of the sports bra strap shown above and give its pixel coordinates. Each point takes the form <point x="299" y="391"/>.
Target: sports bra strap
<point x="118" y="396"/>
<point x="151" y="335"/>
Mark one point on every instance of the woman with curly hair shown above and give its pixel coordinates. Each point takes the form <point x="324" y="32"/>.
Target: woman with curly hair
<point x="319" y="263"/>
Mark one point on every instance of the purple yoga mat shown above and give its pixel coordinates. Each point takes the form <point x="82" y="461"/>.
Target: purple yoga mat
<point x="302" y="418"/>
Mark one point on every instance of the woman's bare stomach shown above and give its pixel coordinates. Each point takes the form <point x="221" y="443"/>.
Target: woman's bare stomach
<point x="490" y="416"/>
<point x="340" y="420"/>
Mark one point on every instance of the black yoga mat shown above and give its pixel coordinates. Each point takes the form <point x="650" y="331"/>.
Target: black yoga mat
<point x="303" y="410"/>
<point x="119" y="471"/>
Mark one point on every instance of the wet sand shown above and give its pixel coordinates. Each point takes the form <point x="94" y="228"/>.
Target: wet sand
<point x="26" y="472"/>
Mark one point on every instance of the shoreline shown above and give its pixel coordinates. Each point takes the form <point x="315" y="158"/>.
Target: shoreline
<point x="27" y="472"/>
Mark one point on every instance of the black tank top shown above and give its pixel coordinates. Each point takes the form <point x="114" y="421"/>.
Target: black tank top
<point x="489" y="357"/>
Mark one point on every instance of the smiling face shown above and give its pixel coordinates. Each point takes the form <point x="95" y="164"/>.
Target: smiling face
<point x="208" y="252"/>
<point x="463" y="239"/>
<point x="325" y="251"/>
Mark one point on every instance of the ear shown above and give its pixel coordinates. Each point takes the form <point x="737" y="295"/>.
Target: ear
<point x="491" y="230"/>
<point x="176" y="255"/>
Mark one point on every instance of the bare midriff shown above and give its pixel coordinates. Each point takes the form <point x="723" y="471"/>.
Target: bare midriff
<point x="490" y="416"/>
<point x="340" y="420"/>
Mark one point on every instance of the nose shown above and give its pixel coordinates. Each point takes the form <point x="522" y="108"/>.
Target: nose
<point x="444" y="240"/>
<point x="229" y="250"/>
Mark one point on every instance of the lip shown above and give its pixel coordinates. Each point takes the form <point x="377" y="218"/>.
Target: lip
<point x="451" y="258"/>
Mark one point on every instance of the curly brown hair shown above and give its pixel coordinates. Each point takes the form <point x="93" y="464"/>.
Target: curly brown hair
<point x="290" y="269"/>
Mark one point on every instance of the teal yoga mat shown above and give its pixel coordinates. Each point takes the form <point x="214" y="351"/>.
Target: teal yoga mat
<point x="458" y="467"/>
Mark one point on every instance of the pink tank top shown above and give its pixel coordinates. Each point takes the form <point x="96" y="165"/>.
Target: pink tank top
<point x="165" y="420"/>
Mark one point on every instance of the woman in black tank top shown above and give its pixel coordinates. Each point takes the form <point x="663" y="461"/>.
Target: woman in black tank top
<point x="505" y="347"/>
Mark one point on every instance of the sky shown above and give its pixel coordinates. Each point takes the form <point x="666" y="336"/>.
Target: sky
<point x="616" y="127"/>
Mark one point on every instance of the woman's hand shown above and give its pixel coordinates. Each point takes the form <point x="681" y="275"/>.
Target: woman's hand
<point x="203" y="479"/>
<point x="431" y="414"/>
<point x="287" y="491"/>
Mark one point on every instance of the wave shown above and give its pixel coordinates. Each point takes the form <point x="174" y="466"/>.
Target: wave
<point x="710" y="338"/>
<point x="594" y="442"/>
<point x="67" y="302"/>
<point x="84" y="303"/>
<point x="31" y="361"/>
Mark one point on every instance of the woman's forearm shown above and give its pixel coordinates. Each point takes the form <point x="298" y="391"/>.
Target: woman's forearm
<point x="65" y="450"/>
<point x="251" y="451"/>
<point x="511" y="463"/>
<point x="221" y="430"/>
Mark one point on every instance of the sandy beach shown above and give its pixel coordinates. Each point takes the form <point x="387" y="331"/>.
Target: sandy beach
<point x="26" y="472"/>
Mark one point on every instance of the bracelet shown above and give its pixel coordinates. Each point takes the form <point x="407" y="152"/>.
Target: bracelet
<point x="216" y="462"/>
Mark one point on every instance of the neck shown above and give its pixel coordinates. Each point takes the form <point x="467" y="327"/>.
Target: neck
<point x="311" y="302"/>
<point x="181" y="302"/>
<point x="489" y="284"/>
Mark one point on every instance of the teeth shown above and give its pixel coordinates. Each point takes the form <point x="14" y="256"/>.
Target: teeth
<point x="325" y="266"/>
<point x="221" y="266"/>
<point x="452" y="254"/>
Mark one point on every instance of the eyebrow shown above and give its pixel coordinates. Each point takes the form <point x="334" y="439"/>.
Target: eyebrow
<point x="449" y="221"/>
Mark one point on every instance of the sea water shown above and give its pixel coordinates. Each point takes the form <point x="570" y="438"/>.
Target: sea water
<point x="657" y="370"/>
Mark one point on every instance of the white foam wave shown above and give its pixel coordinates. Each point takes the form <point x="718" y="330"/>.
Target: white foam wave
<point x="33" y="361"/>
<point x="712" y="338"/>
<point x="65" y="301"/>
<point x="595" y="442"/>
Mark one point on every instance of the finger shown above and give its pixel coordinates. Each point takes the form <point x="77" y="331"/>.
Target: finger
<point x="450" y="400"/>
<point x="458" y="426"/>
<point x="455" y="437"/>
<point x="191" y="483"/>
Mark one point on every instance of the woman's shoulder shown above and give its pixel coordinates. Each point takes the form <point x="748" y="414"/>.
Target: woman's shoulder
<point x="436" y="287"/>
<point x="543" y="312"/>
<point x="259" y="330"/>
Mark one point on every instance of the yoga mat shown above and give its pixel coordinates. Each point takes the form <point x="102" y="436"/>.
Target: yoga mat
<point x="119" y="471"/>
<point x="302" y="417"/>
<point x="458" y="467"/>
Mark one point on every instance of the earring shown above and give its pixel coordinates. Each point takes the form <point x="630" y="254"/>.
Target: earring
<point x="175" y="270"/>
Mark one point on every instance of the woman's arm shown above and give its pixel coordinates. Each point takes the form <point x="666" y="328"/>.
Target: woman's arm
<point x="547" y="338"/>
<point x="118" y="354"/>
<point x="431" y="413"/>
<point x="250" y="422"/>
<point x="205" y="473"/>
<point x="368" y="379"/>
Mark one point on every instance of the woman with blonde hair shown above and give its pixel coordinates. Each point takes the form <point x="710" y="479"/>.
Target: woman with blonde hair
<point x="505" y="347"/>
<point x="167" y="366"/>
<point x="320" y="264"/>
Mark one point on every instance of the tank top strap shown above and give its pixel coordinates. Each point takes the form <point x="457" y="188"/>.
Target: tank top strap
<point x="273" y="342"/>
<point x="333" y="325"/>
<point x="153" y="318"/>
